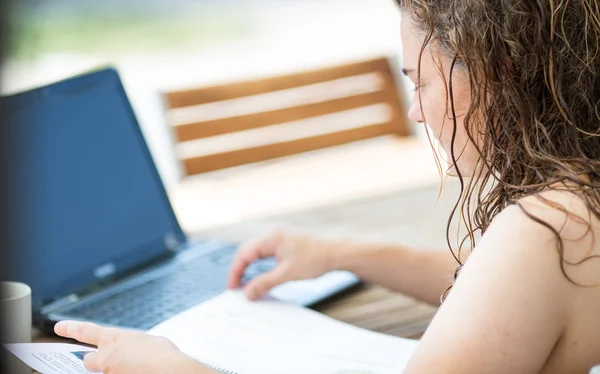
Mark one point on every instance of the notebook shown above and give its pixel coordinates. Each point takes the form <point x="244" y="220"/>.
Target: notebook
<point x="233" y="335"/>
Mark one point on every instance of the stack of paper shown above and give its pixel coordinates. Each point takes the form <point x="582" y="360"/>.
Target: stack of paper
<point x="272" y="337"/>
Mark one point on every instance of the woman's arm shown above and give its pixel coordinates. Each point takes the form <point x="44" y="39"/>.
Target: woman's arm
<point x="423" y="274"/>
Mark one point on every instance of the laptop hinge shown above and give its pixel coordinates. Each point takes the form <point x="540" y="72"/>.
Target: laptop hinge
<point x="60" y="303"/>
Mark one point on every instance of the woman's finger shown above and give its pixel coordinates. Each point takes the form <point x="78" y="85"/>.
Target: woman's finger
<point x="262" y="284"/>
<point x="244" y="256"/>
<point x="250" y="252"/>
<point x="84" y="332"/>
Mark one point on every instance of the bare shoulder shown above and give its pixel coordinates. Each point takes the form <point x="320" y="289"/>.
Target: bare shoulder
<point x="530" y="239"/>
<point x="558" y="221"/>
<point x="567" y="212"/>
<point x="555" y="214"/>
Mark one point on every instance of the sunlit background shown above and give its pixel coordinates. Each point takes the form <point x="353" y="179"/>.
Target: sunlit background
<point x="158" y="45"/>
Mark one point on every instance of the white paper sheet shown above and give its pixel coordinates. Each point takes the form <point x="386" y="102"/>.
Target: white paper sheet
<point x="271" y="337"/>
<point x="51" y="358"/>
<point x="263" y="337"/>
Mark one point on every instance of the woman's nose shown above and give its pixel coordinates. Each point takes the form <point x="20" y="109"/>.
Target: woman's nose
<point x="414" y="112"/>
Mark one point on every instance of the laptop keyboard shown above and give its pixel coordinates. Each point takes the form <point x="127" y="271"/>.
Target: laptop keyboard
<point x="145" y="306"/>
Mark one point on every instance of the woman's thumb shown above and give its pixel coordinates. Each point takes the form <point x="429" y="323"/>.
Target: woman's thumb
<point x="91" y="362"/>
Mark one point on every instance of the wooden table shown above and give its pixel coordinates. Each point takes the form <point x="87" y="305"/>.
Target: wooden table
<point x="404" y="217"/>
<point x="349" y="192"/>
<point x="377" y="309"/>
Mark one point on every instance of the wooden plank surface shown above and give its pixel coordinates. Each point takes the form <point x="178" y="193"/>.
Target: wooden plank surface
<point x="377" y="309"/>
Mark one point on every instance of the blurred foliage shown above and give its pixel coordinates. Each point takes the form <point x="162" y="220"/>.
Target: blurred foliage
<point x="127" y="31"/>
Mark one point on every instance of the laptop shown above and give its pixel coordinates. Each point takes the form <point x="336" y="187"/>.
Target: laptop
<point x="94" y="233"/>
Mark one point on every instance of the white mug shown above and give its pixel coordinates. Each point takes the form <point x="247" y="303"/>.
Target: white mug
<point x="15" y="319"/>
<point x="15" y="311"/>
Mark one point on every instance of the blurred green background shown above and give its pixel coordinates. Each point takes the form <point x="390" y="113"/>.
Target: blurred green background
<point x="126" y="27"/>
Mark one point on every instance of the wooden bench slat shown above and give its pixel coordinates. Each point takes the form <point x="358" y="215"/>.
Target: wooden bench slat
<point x="205" y="95"/>
<point x="204" y="129"/>
<point x="262" y="153"/>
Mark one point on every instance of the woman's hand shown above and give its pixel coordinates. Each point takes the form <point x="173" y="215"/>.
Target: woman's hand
<point x="124" y="352"/>
<point x="298" y="257"/>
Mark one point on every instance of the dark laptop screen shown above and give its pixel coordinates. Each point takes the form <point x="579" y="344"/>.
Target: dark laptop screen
<point x="88" y="202"/>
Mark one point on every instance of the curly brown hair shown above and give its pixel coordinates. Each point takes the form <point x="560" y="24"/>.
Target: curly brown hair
<point x="534" y="73"/>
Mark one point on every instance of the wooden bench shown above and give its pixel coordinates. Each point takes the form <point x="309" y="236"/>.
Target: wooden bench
<point x="237" y="123"/>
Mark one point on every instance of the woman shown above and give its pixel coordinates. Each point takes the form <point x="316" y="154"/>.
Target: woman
<point x="511" y="89"/>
